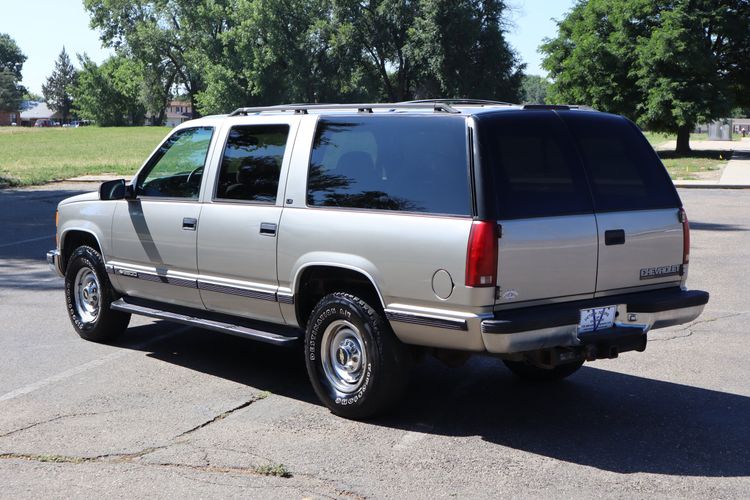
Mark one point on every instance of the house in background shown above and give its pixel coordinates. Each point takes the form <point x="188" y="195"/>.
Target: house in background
<point x="37" y="111"/>
<point x="8" y="118"/>
<point x="178" y="112"/>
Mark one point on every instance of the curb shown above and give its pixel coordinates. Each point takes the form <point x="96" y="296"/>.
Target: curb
<point x="709" y="185"/>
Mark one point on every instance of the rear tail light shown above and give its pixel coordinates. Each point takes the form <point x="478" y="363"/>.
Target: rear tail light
<point x="685" y="236"/>
<point x="481" y="255"/>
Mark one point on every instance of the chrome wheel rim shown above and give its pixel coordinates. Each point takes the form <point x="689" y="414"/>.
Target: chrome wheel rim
<point x="87" y="295"/>
<point x="343" y="356"/>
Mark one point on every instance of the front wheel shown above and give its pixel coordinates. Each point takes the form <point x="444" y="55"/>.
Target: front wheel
<point x="356" y="364"/>
<point x="88" y="295"/>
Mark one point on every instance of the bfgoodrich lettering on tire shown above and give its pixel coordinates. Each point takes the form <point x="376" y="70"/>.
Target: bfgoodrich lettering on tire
<point x="88" y="295"/>
<point x="356" y="364"/>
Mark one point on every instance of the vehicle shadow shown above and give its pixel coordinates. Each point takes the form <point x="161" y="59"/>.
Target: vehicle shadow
<point x="607" y="420"/>
<point x="27" y="221"/>
<point x="712" y="226"/>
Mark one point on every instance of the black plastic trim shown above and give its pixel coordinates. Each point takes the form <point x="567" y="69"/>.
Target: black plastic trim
<point x="234" y="290"/>
<point x="448" y="324"/>
<point x="568" y="313"/>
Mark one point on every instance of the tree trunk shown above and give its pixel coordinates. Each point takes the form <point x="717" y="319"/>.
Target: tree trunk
<point x="683" y="139"/>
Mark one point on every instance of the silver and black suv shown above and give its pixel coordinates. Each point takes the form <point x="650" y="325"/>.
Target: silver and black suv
<point x="543" y="235"/>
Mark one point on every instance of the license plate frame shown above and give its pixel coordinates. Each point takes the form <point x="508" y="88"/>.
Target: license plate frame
<point x="595" y="319"/>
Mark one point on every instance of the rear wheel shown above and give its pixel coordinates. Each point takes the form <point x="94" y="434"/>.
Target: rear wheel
<point x="88" y="295"/>
<point x="528" y="371"/>
<point x="356" y="364"/>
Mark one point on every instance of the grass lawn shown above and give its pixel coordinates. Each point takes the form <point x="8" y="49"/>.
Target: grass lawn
<point x="659" y="138"/>
<point x="695" y="165"/>
<point x="38" y="155"/>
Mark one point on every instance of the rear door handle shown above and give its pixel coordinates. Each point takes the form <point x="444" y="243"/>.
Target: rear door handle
<point x="189" y="224"/>
<point x="268" y="228"/>
<point x="614" y="237"/>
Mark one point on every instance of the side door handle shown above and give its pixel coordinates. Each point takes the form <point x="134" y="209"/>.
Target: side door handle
<point x="268" y="228"/>
<point x="189" y="224"/>
<point x="614" y="237"/>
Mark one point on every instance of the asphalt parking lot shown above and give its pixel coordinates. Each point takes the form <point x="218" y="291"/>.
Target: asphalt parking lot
<point x="173" y="411"/>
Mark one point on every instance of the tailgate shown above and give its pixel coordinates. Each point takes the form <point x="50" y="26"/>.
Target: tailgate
<point x="636" y="204"/>
<point x="639" y="248"/>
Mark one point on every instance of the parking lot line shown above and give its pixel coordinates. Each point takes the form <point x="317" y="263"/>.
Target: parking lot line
<point x="77" y="370"/>
<point x="26" y="241"/>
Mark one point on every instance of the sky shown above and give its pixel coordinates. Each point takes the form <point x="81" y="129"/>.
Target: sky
<point x="42" y="27"/>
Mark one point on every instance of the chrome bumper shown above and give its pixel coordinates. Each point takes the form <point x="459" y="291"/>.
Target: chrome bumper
<point x="53" y="259"/>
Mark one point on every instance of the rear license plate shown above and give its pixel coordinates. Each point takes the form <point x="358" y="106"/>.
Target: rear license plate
<point x="597" y="318"/>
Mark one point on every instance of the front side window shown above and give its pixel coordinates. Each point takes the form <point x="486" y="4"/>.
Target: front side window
<point x="251" y="165"/>
<point x="176" y="170"/>
<point x="400" y="163"/>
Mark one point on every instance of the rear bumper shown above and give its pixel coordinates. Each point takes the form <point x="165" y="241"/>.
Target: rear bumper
<point x="556" y="325"/>
<point x="53" y="259"/>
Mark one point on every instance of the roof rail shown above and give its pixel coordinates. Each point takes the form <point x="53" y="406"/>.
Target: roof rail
<point x="361" y="108"/>
<point x="560" y="107"/>
<point x="460" y="101"/>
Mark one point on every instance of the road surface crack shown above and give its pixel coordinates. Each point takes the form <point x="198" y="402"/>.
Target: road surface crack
<point x="223" y="415"/>
<point x="42" y="422"/>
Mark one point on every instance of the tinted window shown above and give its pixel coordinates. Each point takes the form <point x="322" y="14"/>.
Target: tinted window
<point x="624" y="171"/>
<point x="408" y="163"/>
<point x="251" y="164"/>
<point x="527" y="158"/>
<point x="176" y="169"/>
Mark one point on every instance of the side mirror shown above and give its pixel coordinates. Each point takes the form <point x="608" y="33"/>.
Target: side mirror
<point x="115" y="190"/>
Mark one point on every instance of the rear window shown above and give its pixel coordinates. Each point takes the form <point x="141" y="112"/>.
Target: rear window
<point x="402" y="163"/>
<point x="527" y="158"/>
<point x="624" y="171"/>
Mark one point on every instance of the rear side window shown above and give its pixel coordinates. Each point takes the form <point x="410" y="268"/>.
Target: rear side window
<point x="528" y="161"/>
<point x="251" y="165"/>
<point x="402" y="163"/>
<point x="624" y="171"/>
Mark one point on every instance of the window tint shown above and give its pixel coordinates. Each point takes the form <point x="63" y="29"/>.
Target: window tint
<point x="624" y="171"/>
<point x="527" y="158"/>
<point x="176" y="170"/>
<point x="406" y="163"/>
<point x="251" y="164"/>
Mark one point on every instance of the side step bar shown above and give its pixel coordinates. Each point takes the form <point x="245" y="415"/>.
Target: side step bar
<point x="210" y="321"/>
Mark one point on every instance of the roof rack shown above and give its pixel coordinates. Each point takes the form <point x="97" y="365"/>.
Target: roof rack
<point x="460" y="101"/>
<point x="361" y="108"/>
<point x="559" y="107"/>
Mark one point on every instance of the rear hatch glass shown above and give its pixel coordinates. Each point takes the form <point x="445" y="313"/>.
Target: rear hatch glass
<point x="624" y="171"/>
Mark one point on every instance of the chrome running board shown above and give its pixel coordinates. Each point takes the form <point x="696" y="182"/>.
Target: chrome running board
<point x="210" y="321"/>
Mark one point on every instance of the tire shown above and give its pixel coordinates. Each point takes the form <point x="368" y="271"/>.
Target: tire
<point x="88" y="295"/>
<point x="527" y="371"/>
<point x="356" y="364"/>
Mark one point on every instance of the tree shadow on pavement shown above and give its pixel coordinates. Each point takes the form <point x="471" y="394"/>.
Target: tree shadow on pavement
<point x="610" y="421"/>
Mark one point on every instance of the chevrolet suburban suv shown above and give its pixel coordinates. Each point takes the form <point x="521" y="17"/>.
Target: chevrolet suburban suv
<point x="371" y="234"/>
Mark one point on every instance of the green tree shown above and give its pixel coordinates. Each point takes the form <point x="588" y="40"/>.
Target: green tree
<point x="110" y="94"/>
<point x="534" y="89"/>
<point x="11" y="64"/>
<point x="11" y="57"/>
<point x="10" y="94"/>
<point x="459" y="50"/>
<point x="668" y="64"/>
<point x="57" y="90"/>
<point x="180" y="36"/>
